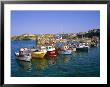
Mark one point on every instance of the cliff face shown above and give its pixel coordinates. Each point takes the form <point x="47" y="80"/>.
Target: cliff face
<point x="52" y="37"/>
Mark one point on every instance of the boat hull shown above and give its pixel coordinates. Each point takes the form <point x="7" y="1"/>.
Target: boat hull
<point x="38" y="54"/>
<point x="51" y="53"/>
<point x="24" y="57"/>
<point x="82" y="49"/>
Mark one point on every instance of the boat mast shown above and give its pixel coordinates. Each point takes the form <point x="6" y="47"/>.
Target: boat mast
<point x="36" y="41"/>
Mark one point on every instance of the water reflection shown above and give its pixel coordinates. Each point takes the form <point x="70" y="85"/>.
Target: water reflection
<point x="40" y="64"/>
<point x="61" y="63"/>
<point x="67" y="58"/>
<point x="24" y="65"/>
<point x="81" y="54"/>
<point x="52" y="61"/>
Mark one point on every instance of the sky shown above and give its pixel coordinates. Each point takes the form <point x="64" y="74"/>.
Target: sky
<point x="53" y="22"/>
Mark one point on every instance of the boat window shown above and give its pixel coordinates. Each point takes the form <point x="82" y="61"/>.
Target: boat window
<point x="49" y="47"/>
<point x="36" y="50"/>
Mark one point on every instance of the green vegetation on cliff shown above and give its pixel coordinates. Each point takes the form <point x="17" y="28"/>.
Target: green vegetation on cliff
<point x="24" y="37"/>
<point x="89" y="34"/>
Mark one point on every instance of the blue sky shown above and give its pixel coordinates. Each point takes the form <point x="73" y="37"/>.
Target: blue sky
<point x="42" y="22"/>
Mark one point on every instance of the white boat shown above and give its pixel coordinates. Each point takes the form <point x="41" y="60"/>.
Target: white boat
<point x="23" y="54"/>
<point x="38" y="52"/>
<point x="65" y="50"/>
<point x="82" y="47"/>
<point x="23" y="57"/>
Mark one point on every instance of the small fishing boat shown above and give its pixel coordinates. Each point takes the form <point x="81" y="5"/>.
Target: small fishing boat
<point x="38" y="54"/>
<point x="82" y="47"/>
<point x="51" y="51"/>
<point x="64" y="50"/>
<point x="23" y="54"/>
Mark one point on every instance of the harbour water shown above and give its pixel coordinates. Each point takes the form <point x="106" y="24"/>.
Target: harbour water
<point x="79" y="64"/>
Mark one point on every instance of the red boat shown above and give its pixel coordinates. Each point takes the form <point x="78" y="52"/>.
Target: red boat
<point x="51" y="51"/>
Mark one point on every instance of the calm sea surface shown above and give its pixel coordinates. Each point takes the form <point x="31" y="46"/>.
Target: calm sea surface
<point x="82" y="64"/>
